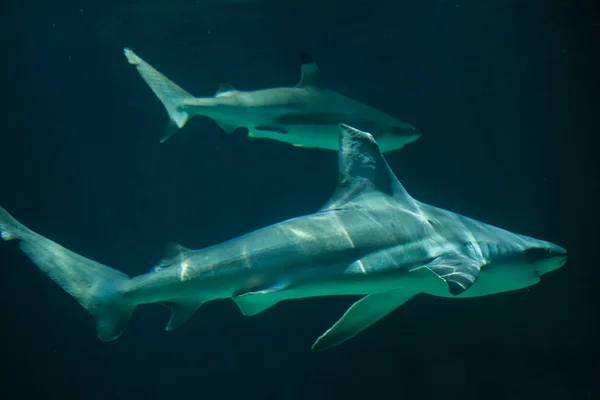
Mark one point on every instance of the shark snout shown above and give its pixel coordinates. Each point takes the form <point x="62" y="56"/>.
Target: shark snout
<point x="554" y="257"/>
<point x="554" y="250"/>
<point x="559" y="250"/>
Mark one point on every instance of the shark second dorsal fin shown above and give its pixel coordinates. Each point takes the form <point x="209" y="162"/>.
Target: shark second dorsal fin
<point x="224" y="88"/>
<point x="311" y="76"/>
<point x="363" y="171"/>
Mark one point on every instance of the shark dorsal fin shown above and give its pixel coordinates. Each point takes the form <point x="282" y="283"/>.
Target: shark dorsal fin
<point x="363" y="172"/>
<point x="311" y="76"/>
<point x="224" y="88"/>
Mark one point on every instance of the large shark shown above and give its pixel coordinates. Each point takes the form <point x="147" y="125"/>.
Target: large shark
<point x="371" y="238"/>
<point x="306" y="115"/>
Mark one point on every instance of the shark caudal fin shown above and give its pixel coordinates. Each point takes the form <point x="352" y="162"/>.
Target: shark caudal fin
<point x="96" y="287"/>
<point x="171" y="95"/>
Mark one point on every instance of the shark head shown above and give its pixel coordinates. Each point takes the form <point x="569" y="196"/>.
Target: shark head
<point x="537" y="256"/>
<point x="519" y="253"/>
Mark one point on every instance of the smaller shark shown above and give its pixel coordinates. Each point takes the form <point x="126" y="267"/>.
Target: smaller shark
<point x="372" y="239"/>
<point x="306" y="115"/>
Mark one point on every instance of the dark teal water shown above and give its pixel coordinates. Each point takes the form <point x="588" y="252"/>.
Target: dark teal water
<point x="504" y="92"/>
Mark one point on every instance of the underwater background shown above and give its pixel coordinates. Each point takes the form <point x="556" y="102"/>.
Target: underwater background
<point x="505" y="93"/>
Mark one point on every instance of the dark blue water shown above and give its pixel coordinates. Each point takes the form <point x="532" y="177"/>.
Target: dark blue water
<point x="505" y="93"/>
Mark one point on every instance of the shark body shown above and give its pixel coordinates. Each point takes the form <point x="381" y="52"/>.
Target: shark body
<point x="306" y="115"/>
<point x="372" y="238"/>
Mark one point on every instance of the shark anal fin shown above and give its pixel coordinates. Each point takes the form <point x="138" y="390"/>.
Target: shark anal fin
<point x="458" y="271"/>
<point x="361" y="315"/>
<point x="181" y="312"/>
<point x="255" y="302"/>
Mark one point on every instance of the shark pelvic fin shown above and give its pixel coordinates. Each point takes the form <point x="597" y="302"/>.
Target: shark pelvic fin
<point x="311" y="75"/>
<point x="363" y="172"/>
<point x="361" y="315"/>
<point x="181" y="312"/>
<point x="457" y="270"/>
<point x="255" y="302"/>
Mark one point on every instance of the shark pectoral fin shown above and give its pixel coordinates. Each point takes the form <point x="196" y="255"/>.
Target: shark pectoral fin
<point x="361" y="315"/>
<point x="459" y="271"/>
<point x="181" y="312"/>
<point x="252" y="303"/>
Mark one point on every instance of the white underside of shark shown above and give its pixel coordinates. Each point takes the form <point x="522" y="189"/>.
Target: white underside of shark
<point x="306" y="115"/>
<point x="372" y="238"/>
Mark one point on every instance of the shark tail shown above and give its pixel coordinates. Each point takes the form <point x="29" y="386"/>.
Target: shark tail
<point x="98" y="288"/>
<point x="171" y="95"/>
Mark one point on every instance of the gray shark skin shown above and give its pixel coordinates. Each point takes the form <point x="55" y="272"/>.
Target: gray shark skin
<point x="372" y="238"/>
<point x="306" y="115"/>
